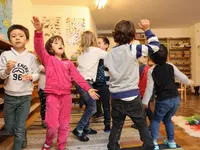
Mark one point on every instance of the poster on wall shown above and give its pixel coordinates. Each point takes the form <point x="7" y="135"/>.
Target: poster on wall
<point x="5" y="17"/>
<point x="74" y="29"/>
<point x="51" y="26"/>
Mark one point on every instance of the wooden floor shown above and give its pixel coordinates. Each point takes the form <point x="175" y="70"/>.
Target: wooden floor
<point x="130" y="137"/>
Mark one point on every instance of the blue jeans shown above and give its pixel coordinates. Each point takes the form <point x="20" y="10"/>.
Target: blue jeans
<point x="164" y="111"/>
<point x="90" y="108"/>
<point x="16" y="111"/>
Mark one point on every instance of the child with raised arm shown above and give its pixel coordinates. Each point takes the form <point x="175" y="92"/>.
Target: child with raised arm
<point x="123" y="69"/>
<point x="161" y="77"/>
<point x="59" y="74"/>
<point x="19" y="68"/>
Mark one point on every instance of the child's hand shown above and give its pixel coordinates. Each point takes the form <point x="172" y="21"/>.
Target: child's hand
<point x="10" y="65"/>
<point x="27" y="77"/>
<point x="144" y="24"/>
<point x="93" y="94"/>
<point x="37" y="24"/>
<point x="145" y="106"/>
<point x="191" y="83"/>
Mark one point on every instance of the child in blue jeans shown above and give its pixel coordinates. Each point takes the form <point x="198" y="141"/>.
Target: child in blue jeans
<point x="161" y="78"/>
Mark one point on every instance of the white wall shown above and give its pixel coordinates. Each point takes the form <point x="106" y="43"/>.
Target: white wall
<point x="64" y="12"/>
<point x="195" y="41"/>
<point x="22" y="14"/>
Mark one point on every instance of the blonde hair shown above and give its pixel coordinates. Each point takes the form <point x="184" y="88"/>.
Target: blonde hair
<point x="88" y="39"/>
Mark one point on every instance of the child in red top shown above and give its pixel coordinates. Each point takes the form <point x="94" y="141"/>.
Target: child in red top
<point x="59" y="74"/>
<point x="143" y="69"/>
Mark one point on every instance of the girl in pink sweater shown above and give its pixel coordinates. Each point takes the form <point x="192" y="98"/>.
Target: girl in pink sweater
<point x="59" y="74"/>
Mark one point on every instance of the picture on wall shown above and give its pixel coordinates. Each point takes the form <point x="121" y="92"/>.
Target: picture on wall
<point x="74" y="29"/>
<point x="5" y="17"/>
<point x="51" y="27"/>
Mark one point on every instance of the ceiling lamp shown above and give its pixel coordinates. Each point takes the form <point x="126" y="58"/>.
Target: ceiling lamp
<point x="100" y="3"/>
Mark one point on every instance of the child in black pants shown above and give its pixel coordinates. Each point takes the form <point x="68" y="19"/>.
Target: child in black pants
<point x="102" y="87"/>
<point x="123" y="69"/>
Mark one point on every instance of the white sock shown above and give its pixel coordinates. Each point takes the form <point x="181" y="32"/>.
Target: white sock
<point x="47" y="146"/>
<point x="80" y="131"/>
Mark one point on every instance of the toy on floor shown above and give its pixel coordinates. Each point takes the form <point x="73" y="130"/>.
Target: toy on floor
<point x="194" y="120"/>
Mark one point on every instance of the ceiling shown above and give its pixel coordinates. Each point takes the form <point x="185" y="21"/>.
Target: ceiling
<point x="162" y="13"/>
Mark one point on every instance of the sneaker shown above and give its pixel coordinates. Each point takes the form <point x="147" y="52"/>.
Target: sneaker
<point x="81" y="136"/>
<point x="24" y="143"/>
<point x="107" y="128"/>
<point x="45" y="148"/>
<point x="89" y="131"/>
<point x="156" y="145"/>
<point x="170" y="144"/>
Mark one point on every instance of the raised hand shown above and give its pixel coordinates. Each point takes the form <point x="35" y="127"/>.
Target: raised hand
<point x="144" y="24"/>
<point x="93" y="94"/>
<point x="10" y="65"/>
<point x="37" y="24"/>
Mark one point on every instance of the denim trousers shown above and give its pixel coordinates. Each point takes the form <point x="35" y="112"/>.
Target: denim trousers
<point x="90" y="109"/>
<point x="16" y="110"/>
<point x="164" y="111"/>
<point x="135" y="110"/>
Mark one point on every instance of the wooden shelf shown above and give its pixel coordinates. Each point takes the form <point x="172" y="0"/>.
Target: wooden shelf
<point x="179" y="57"/>
<point x="5" y="45"/>
<point x="178" y="49"/>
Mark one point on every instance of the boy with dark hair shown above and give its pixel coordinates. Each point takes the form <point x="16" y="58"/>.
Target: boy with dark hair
<point x="102" y="87"/>
<point x="161" y="77"/>
<point x="123" y="69"/>
<point x="19" y="69"/>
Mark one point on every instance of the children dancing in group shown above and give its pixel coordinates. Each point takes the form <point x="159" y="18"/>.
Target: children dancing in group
<point x="20" y="69"/>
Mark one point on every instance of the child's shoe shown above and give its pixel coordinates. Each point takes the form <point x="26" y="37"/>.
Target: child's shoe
<point x="171" y="144"/>
<point x="107" y="128"/>
<point x="156" y="145"/>
<point x="24" y="143"/>
<point x="81" y="136"/>
<point x="45" y="148"/>
<point x="89" y="131"/>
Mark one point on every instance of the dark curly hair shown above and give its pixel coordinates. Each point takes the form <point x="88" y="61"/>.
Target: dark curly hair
<point x="160" y="57"/>
<point x="124" y="32"/>
<point x="48" y="45"/>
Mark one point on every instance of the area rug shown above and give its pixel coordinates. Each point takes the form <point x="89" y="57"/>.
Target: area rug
<point x="130" y="136"/>
<point x="192" y="130"/>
